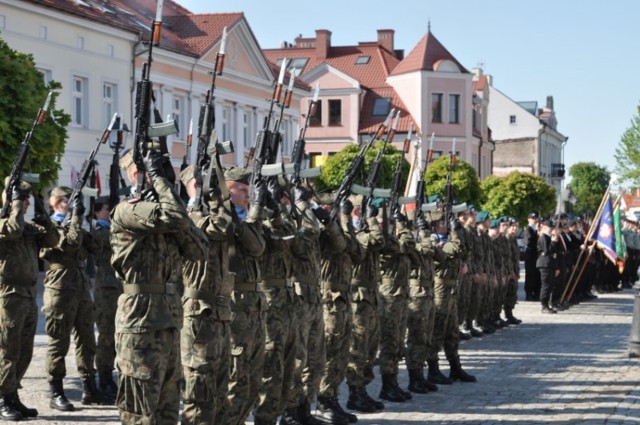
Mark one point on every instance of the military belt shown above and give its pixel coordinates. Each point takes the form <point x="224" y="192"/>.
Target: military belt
<point x="149" y="288"/>
<point x="245" y="286"/>
<point x="334" y="286"/>
<point x="207" y="297"/>
<point x="60" y="266"/>
<point x="276" y="283"/>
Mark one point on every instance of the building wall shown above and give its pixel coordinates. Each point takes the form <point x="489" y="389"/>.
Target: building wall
<point x="515" y="155"/>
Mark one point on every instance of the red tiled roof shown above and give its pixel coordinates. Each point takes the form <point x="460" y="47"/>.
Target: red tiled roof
<point x="201" y="32"/>
<point x="369" y="123"/>
<point x="425" y="55"/>
<point x="631" y="201"/>
<point x="480" y="83"/>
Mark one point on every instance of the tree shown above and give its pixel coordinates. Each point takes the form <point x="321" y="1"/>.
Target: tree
<point x="518" y="195"/>
<point x="337" y="166"/>
<point x="466" y="185"/>
<point x="589" y="182"/>
<point x="22" y="94"/>
<point x="627" y="152"/>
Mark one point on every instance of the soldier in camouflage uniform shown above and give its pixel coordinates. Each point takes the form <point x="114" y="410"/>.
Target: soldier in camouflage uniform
<point x="248" y="303"/>
<point x="498" y="253"/>
<point x="465" y="281"/>
<point x="489" y="279"/>
<point x="146" y="233"/>
<point x="396" y="261"/>
<point x="107" y="291"/>
<point x="19" y="245"/>
<point x="340" y="251"/>
<point x="281" y="337"/>
<point x="511" y="297"/>
<point x="445" y="331"/>
<point x="365" y="279"/>
<point x="67" y="303"/>
<point x="476" y="273"/>
<point x="421" y="312"/>
<point x="205" y="335"/>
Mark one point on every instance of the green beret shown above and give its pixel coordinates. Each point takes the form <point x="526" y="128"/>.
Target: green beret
<point x="504" y="219"/>
<point x="378" y="202"/>
<point x="63" y="191"/>
<point x="188" y="174"/>
<point x="126" y="159"/>
<point x="495" y="223"/>
<point x="434" y="198"/>
<point x="237" y="174"/>
<point x="23" y="185"/>
<point x="472" y="208"/>
<point x="483" y="216"/>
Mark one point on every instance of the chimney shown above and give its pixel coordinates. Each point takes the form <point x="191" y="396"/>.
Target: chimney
<point x="477" y="73"/>
<point x="385" y="39"/>
<point x="323" y="43"/>
<point x="550" y="103"/>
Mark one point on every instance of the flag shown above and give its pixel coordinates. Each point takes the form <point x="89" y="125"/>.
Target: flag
<point x="604" y="233"/>
<point x="621" y="246"/>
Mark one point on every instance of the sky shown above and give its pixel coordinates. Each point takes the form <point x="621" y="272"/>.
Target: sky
<point x="584" y="53"/>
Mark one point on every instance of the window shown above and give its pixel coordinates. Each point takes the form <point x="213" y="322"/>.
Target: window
<point x="110" y="50"/>
<point x="381" y="106"/>
<point x="226" y="123"/>
<point x="363" y="60"/>
<point x="246" y="128"/>
<point x="47" y="75"/>
<point x="297" y="63"/>
<point x="79" y="103"/>
<point x="80" y="42"/>
<point x="43" y="32"/>
<point x="335" y="112"/>
<point x="316" y="119"/>
<point x="179" y="115"/>
<point x="454" y="109"/>
<point x="109" y="105"/>
<point x="3" y="21"/>
<point x="436" y="107"/>
<point x="512" y="119"/>
<point x="285" y="129"/>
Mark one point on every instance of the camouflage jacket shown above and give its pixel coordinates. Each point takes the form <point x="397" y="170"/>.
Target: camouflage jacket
<point x="19" y="245"/>
<point x="487" y="252"/>
<point x="306" y="255"/>
<point x="146" y="238"/>
<point x="105" y="275"/>
<point x="367" y="273"/>
<point x="396" y="260"/>
<point x="246" y="247"/>
<point x="340" y="251"/>
<point x="447" y="264"/>
<point x="421" y="280"/>
<point x="207" y="282"/>
<point x="277" y="260"/>
<point x="514" y="254"/>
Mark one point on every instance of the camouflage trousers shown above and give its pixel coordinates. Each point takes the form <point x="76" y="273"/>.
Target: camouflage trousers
<point x="281" y="347"/>
<point x="18" y="322"/>
<point x="420" y="320"/>
<point x="106" y="303"/>
<point x="149" y="377"/>
<point x="66" y="311"/>
<point x="464" y="297"/>
<point x="337" y="336"/>
<point x="247" y="355"/>
<point x="511" y="295"/>
<point x="393" y="326"/>
<point x="205" y="351"/>
<point x="308" y="321"/>
<point x="488" y="297"/>
<point x="445" y="327"/>
<point x="476" y="290"/>
<point x="498" y="301"/>
<point x="364" y="336"/>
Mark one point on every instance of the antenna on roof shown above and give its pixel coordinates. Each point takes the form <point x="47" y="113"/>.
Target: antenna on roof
<point x="428" y="25"/>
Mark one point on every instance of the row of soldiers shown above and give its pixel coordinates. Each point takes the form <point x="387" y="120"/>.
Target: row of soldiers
<point x="261" y="303"/>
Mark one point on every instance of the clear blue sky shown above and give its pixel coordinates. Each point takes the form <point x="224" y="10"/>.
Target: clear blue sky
<point x="584" y="53"/>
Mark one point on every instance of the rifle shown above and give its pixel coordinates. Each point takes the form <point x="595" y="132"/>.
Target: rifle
<point x="18" y="163"/>
<point x="297" y="155"/>
<point x="89" y="164"/>
<point x="420" y="186"/>
<point x="448" y="215"/>
<point x="116" y="183"/>
<point x="394" y="205"/>
<point x="345" y="188"/>
<point x="208" y="165"/>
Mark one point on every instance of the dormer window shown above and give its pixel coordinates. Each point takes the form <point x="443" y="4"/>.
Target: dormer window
<point x="363" y="60"/>
<point x="381" y="106"/>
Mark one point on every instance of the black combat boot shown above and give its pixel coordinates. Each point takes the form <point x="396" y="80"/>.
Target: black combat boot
<point x="390" y="390"/>
<point x="357" y="401"/>
<point x="407" y="394"/>
<point x="290" y="417"/>
<point x="27" y="412"/>
<point x="486" y="327"/>
<point x="351" y="418"/>
<point x="463" y="335"/>
<point x="435" y="376"/>
<point x="511" y="319"/>
<point x="304" y="414"/>
<point x="328" y="413"/>
<point x="457" y="373"/>
<point x="58" y="400"/>
<point x="8" y="411"/>
<point x="107" y="385"/>
<point x="90" y="393"/>
<point x="476" y="333"/>
<point x="417" y="382"/>
<point x="375" y="403"/>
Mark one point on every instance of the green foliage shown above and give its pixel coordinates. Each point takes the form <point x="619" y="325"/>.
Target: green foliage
<point x="22" y="94"/>
<point x="465" y="182"/>
<point x="518" y="194"/>
<point x="589" y="182"/>
<point x="627" y="152"/>
<point x="337" y="166"/>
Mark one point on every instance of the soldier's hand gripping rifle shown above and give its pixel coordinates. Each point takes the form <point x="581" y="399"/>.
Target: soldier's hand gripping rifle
<point x="347" y="185"/>
<point x="448" y="208"/>
<point x="18" y="163"/>
<point x="89" y="164"/>
<point x="209" y="173"/>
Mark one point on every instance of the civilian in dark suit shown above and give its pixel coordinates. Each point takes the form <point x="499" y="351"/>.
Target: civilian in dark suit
<point x="547" y="263"/>
<point x="532" y="275"/>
